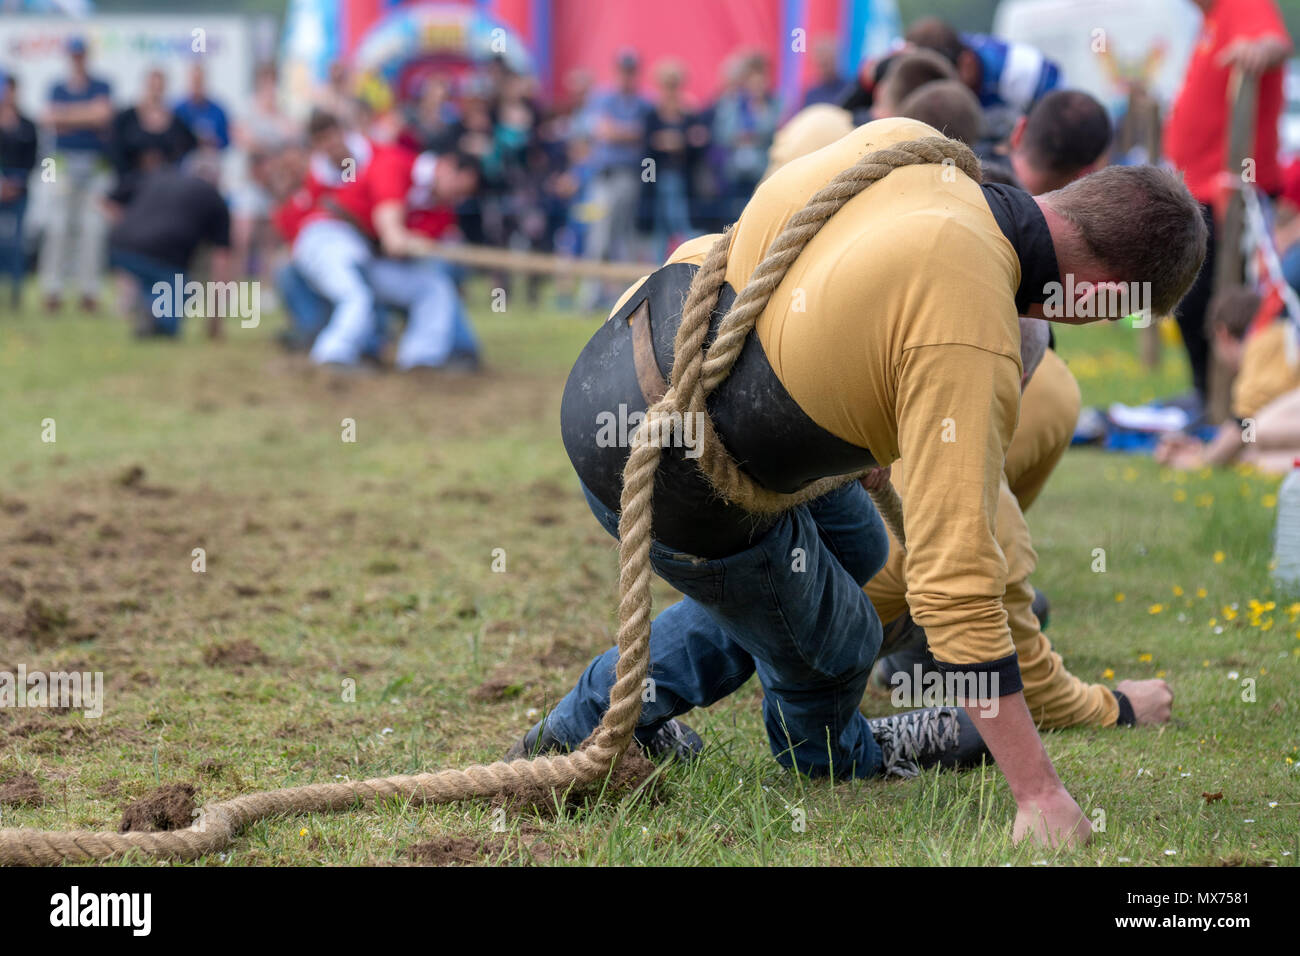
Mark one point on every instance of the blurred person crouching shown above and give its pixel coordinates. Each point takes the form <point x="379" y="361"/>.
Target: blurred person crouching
<point x="173" y="211"/>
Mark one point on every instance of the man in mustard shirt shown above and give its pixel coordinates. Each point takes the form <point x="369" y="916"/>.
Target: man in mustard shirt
<point x="895" y="333"/>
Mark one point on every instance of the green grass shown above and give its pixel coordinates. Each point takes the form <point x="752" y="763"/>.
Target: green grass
<point x="370" y="562"/>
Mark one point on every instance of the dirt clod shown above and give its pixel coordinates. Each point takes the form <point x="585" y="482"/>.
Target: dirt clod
<point x="21" y="790"/>
<point x="240" y="653"/>
<point x="170" y="807"/>
<point x="454" y="851"/>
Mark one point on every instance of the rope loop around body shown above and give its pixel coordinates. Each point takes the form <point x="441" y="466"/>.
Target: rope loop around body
<point x="697" y="371"/>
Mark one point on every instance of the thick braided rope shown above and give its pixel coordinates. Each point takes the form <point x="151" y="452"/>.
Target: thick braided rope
<point x="695" y="375"/>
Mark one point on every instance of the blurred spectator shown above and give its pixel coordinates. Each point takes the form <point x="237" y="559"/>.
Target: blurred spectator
<point x="1245" y="35"/>
<point x="80" y="111"/>
<point x="1007" y="77"/>
<point x="431" y="118"/>
<point x="263" y="132"/>
<point x="203" y="115"/>
<point x="147" y="135"/>
<point x="17" y="160"/>
<point x="336" y="97"/>
<point x="172" y="213"/>
<point x="675" y="135"/>
<point x="616" y="122"/>
<point x="744" y="123"/>
<point x="830" y="86"/>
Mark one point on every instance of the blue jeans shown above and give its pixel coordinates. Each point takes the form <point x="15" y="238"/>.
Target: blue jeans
<point x="147" y="272"/>
<point x="12" y="214"/>
<point x="790" y="608"/>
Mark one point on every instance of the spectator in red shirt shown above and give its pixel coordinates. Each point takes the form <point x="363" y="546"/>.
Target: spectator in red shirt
<point x="1237" y="34"/>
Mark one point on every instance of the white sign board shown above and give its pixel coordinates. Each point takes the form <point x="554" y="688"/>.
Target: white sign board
<point x="124" y="48"/>
<point x="1103" y="45"/>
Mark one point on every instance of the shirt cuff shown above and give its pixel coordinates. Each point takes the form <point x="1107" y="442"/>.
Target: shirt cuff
<point x="1127" y="718"/>
<point x="994" y="679"/>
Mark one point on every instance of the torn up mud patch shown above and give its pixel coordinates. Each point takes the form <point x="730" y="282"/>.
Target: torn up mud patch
<point x="240" y="653"/>
<point x="498" y="688"/>
<point x="49" y="623"/>
<point x="21" y="790"/>
<point x="167" y="808"/>
<point x="455" y="851"/>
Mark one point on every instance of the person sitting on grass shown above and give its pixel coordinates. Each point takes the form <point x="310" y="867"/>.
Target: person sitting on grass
<point x="1264" y="430"/>
<point x="904" y="344"/>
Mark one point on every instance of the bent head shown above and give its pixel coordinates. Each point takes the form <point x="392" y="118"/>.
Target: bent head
<point x="1128" y="239"/>
<point x="1064" y="136"/>
<point x="457" y="178"/>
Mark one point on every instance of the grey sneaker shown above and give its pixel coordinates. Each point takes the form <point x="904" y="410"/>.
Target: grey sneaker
<point x="673" y="741"/>
<point x="932" y="736"/>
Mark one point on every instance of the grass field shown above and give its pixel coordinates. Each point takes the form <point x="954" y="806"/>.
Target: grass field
<point x="330" y="562"/>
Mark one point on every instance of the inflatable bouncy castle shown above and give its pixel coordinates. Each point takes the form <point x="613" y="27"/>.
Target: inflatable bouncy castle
<point x="390" y="45"/>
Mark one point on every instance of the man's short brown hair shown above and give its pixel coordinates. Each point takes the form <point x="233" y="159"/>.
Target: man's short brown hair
<point x="949" y="106"/>
<point x="910" y="71"/>
<point x="1140" y="224"/>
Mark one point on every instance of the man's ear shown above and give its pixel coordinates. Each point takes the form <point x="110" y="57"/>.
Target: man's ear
<point x="969" y="68"/>
<point x="1018" y="133"/>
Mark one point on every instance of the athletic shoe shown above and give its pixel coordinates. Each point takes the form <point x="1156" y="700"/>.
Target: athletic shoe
<point x="930" y="737"/>
<point x="673" y="741"/>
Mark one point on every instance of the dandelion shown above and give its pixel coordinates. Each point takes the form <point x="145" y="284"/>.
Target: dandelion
<point x="1119" y="598"/>
<point x="1161" y="673"/>
<point x="1218" y="557"/>
<point x="1145" y="658"/>
<point x="1201" y="593"/>
<point x="1205" y="663"/>
<point x="302" y="832"/>
<point x="1180" y="495"/>
<point x="1155" y="609"/>
<point x="1178" y="592"/>
<point x="1229" y="612"/>
<point x="1108" y="674"/>
<point x="1204" y="501"/>
<point x="1268" y="501"/>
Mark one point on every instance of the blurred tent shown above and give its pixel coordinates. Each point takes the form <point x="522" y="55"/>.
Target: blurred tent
<point x="384" y="38"/>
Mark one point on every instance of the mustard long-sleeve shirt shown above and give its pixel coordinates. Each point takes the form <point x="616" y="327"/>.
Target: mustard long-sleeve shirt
<point x="896" y="331"/>
<point x="1056" y="697"/>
